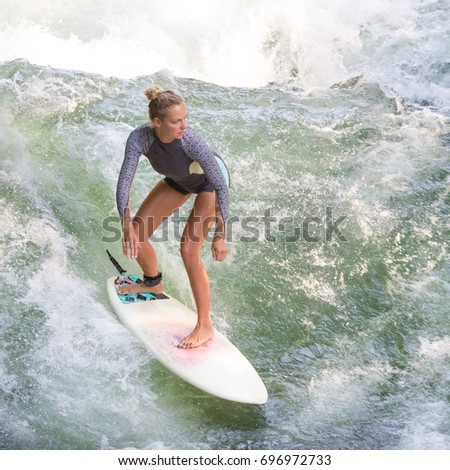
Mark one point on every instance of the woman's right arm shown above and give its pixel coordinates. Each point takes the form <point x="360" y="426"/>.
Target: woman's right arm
<point x="129" y="166"/>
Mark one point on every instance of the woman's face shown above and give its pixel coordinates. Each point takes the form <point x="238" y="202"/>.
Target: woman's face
<point x="173" y="125"/>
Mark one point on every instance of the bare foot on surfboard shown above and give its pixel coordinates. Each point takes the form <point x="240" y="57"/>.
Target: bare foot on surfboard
<point x="134" y="288"/>
<point x="200" y="336"/>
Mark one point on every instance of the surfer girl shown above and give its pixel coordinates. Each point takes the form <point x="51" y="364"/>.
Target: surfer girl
<point x="190" y="167"/>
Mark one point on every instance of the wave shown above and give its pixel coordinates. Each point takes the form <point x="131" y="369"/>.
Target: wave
<point x="309" y="43"/>
<point x="326" y="321"/>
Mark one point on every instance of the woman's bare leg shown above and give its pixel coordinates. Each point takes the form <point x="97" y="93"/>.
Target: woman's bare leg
<point x="161" y="203"/>
<point x="200" y="221"/>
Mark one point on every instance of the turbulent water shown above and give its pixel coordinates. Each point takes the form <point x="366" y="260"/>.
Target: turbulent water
<point x="334" y="121"/>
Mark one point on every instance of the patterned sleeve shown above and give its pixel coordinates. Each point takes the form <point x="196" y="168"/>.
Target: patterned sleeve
<point x="198" y="150"/>
<point x="133" y="150"/>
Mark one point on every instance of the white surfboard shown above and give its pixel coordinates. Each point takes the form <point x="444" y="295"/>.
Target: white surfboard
<point x="218" y="368"/>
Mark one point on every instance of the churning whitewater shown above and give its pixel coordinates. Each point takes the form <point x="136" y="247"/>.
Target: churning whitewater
<point x="337" y="282"/>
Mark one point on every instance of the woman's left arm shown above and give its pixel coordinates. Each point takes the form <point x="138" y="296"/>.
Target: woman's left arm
<point x="198" y="150"/>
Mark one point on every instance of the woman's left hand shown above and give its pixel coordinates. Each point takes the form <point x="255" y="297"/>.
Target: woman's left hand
<point x="219" y="249"/>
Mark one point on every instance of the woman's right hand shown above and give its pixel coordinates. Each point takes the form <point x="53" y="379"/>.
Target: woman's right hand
<point x="130" y="241"/>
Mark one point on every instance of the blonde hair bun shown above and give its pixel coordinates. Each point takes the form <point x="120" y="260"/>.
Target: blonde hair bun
<point x="153" y="91"/>
<point x="160" y="101"/>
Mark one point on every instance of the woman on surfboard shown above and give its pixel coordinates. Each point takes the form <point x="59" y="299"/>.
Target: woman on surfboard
<point x="190" y="167"/>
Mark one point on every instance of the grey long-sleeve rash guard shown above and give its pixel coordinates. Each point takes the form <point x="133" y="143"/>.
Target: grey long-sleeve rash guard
<point x="179" y="161"/>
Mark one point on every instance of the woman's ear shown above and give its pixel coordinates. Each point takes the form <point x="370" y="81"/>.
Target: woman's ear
<point x="156" y="122"/>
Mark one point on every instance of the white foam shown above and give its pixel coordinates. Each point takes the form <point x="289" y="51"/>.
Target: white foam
<point x="8" y="381"/>
<point x="310" y="42"/>
<point x="336" y="392"/>
<point x="438" y="349"/>
<point x="426" y="425"/>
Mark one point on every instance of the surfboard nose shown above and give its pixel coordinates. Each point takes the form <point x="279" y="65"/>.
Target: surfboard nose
<point x="259" y="397"/>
